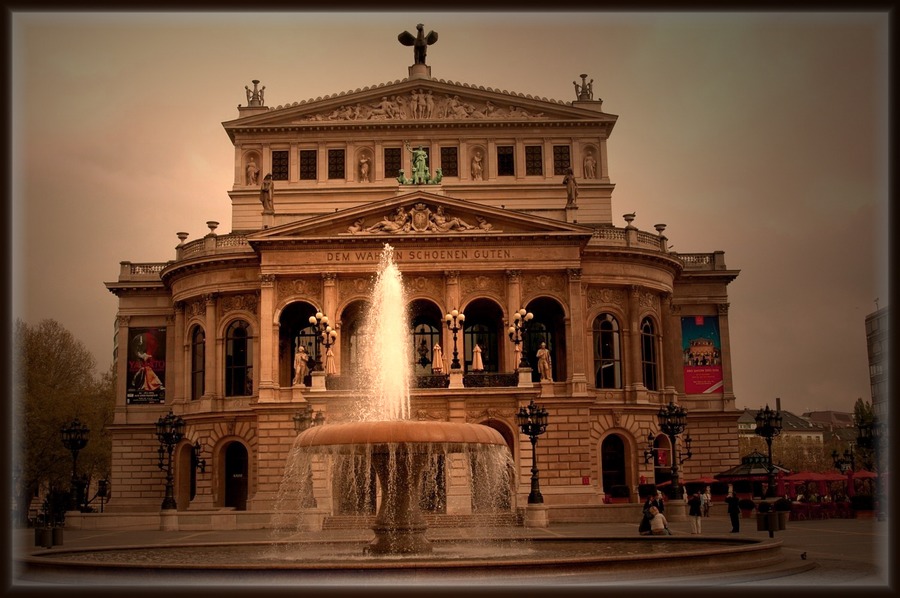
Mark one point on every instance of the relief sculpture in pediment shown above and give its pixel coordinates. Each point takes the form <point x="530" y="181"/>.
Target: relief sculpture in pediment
<point x="423" y="104"/>
<point x="420" y="219"/>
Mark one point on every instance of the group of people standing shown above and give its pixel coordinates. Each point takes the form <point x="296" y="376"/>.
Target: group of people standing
<point x="654" y="522"/>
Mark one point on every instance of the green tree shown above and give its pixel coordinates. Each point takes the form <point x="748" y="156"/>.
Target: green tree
<point x="54" y="383"/>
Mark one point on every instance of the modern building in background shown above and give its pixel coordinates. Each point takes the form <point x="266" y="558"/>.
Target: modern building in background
<point x="877" y="344"/>
<point x="493" y="201"/>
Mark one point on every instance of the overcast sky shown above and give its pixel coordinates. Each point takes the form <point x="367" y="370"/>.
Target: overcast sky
<point x="763" y="135"/>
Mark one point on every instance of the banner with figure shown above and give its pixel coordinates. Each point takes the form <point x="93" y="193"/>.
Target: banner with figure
<point x="702" y="352"/>
<point x="146" y="366"/>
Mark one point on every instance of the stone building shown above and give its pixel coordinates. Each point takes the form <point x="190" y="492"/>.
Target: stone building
<point x="468" y="184"/>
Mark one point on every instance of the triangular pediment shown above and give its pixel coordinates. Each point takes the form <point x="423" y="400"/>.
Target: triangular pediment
<point x="418" y="214"/>
<point x="418" y="100"/>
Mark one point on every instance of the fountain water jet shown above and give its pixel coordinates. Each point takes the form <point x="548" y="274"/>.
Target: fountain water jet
<point x="383" y="437"/>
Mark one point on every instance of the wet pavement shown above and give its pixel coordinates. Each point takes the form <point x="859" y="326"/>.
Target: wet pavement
<point x="817" y="554"/>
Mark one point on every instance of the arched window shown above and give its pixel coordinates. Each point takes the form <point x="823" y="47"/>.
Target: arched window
<point x="612" y="459"/>
<point x="424" y="337"/>
<point x="238" y="360"/>
<point x="607" y="352"/>
<point x="486" y="338"/>
<point x="648" y="355"/>
<point x="198" y="363"/>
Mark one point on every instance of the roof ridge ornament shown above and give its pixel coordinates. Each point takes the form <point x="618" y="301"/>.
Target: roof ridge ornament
<point x="419" y="42"/>
<point x="585" y="91"/>
<point x="255" y="97"/>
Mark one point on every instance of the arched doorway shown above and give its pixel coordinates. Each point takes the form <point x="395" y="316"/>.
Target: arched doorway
<point x="236" y="476"/>
<point x="548" y="326"/>
<point x="483" y="325"/>
<point x="662" y="461"/>
<point x="425" y="330"/>
<point x="294" y="329"/>
<point x="353" y="337"/>
<point x="480" y="499"/>
<point x="612" y="462"/>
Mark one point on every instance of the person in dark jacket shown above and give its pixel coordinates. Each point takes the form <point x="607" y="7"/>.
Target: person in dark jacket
<point x="734" y="511"/>
<point x="695" y="511"/>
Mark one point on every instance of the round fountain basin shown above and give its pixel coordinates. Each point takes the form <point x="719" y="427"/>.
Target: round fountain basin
<point x="356" y="437"/>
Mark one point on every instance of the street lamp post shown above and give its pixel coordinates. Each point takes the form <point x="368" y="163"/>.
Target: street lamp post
<point x="533" y="423"/>
<point x="455" y="321"/>
<point x="768" y="425"/>
<point x="521" y="320"/>
<point x="169" y="432"/>
<point x="326" y="333"/>
<point x="672" y="421"/>
<point x="75" y="438"/>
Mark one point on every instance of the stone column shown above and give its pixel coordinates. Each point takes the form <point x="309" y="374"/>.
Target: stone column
<point x="179" y="381"/>
<point x="602" y="163"/>
<point x="725" y="334"/>
<point x="577" y="349"/>
<point x="634" y="380"/>
<point x="671" y="341"/>
<point x="268" y="343"/>
<point x="121" y="369"/>
<point x="330" y="300"/>
<point x="513" y="304"/>
<point x="210" y="384"/>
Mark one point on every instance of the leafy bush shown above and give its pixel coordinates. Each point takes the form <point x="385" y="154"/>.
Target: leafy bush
<point x="745" y="504"/>
<point x="782" y="504"/>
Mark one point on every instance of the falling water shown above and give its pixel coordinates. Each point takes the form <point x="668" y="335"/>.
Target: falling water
<point x="386" y="359"/>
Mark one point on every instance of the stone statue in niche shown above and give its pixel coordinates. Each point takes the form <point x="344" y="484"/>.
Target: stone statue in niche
<point x="544" y="365"/>
<point x="363" y="169"/>
<point x="252" y="172"/>
<point x="477" y="168"/>
<point x="590" y="165"/>
<point x="301" y="365"/>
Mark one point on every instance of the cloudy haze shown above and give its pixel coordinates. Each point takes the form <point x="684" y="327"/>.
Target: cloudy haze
<point x="761" y="135"/>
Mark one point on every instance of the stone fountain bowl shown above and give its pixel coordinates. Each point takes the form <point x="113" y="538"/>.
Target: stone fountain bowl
<point x="415" y="436"/>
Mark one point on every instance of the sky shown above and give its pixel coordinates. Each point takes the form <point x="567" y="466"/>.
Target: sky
<point x="763" y="135"/>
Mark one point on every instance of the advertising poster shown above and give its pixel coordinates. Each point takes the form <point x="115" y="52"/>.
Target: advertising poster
<point x="146" y="366"/>
<point x="702" y="348"/>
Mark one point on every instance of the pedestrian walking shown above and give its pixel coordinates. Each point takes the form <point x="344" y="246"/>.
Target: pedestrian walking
<point x="695" y="510"/>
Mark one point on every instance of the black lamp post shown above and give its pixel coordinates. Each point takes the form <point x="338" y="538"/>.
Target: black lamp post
<point x="75" y="438"/>
<point x="768" y="425"/>
<point x="455" y="321"/>
<point x="533" y="422"/>
<point x="521" y="320"/>
<point x="305" y="419"/>
<point x="169" y="431"/>
<point x="326" y="333"/>
<point x="672" y="421"/>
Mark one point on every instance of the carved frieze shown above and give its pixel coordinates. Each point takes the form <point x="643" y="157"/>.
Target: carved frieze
<point x="422" y="285"/>
<point x="648" y="300"/>
<point x="299" y="287"/>
<point x="480" y="284"/>
<point x="420" y="219"/>
<point x="195" y="308"/>
<point x="352" y="287"/>
<point x="605" y="296"/>
<point x="545" y="282"/>
<point x="244" y="302"/>
<point x="420" y="104"/>
<point x="723" y="309"/>
<point x="486" y="413"/>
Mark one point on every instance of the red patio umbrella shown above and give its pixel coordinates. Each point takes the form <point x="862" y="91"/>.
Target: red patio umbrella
<point x="864" y="473"/>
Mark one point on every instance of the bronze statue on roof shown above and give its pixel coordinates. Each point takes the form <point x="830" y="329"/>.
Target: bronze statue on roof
<point x="419" y="42"/>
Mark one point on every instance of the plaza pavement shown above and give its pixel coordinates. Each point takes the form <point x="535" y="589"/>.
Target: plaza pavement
<point x="838" y="552"/>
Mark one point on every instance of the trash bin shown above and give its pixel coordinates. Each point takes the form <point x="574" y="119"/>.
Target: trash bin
<point x="57" y="536"/>
<point x="46" y="537"/>
<point x="782" y="519"/>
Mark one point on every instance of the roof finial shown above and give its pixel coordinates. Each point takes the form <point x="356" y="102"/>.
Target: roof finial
<point x="585" y="91"/>
<point x="419" y="43"/>
<point x="255" y="97"/>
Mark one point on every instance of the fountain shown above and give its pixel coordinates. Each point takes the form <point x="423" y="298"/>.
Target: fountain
<point x="379" y="440"/>
<point x="401" y="452"/>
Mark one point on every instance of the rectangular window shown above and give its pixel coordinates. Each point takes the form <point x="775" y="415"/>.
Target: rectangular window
<point x="392" y="162"/>
<point x="534" y="160"/>
<point x="309" y="165"/>
<point x="280" y="160"/>
<point x="450" y="161"/>
<point x="506" y="160"/>
<point x="336" y="164"/>
<point x="562" y="159"/>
